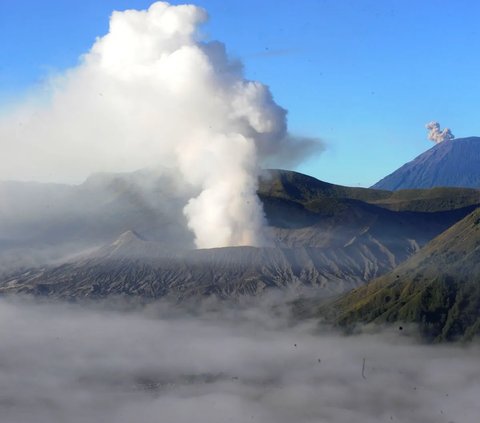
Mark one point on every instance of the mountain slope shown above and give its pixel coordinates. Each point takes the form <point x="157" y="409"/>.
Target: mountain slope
<point x="452" y="163"/>
<point x="312" y="193"/>
<point x="438" y="288"/>
<point x="122" y="268"/>
<point x="346" y="236"/>
<point x="44" y="223"/>
<point x="330" y="252"/>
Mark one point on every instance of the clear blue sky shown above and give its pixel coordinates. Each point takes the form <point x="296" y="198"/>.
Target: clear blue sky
<point x="364" y="75"/>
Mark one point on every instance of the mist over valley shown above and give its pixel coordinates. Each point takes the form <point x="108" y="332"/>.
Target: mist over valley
<point x="169" y="248"/>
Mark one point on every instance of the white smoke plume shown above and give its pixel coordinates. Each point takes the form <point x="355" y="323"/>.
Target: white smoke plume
<point x="436" y="135"/>
<point x="151" y="93"/>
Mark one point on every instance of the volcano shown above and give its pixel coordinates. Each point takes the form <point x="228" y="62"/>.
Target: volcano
<point x="452" y="163"/>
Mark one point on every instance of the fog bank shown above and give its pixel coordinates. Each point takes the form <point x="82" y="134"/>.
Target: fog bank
<point x="76" y="364"/>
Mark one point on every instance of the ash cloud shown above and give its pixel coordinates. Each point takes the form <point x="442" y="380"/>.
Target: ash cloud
<point x="436" y="135"/>
<point x="152" y="93"/>
<point x="46" y="223"/>
<point x="75" y="364"/>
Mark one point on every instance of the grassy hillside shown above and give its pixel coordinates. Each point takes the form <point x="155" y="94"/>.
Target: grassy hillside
<point x="430" y="200"/>
<point x="438" y="288"/>
<point x="304" y="189"/>
<point x="313" y="194"/>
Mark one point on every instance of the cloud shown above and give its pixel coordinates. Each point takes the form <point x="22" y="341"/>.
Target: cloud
<point x="152" y="93"/>
<point x="75" y="364"/>
<point x="436" y="135"/>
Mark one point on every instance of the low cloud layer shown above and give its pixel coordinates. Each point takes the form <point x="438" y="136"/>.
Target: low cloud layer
<point x="436" y="135"/>
<point x="152" y="93"/>
<point x="72" y="364"/>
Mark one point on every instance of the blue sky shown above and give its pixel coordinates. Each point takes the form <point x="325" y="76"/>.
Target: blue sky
<point x="363" y="75"/>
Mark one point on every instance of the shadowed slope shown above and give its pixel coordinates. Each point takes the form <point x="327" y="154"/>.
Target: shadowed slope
<point x="438" y="288"/>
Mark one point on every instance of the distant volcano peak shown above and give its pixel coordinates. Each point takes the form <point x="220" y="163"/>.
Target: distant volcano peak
<point x="451" y="163"/>
<point x="127" y="237"/>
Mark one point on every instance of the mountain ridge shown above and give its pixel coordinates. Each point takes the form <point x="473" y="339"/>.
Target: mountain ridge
<point x="321" y="235"/>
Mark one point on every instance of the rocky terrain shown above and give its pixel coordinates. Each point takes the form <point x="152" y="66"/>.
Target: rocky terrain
<point x="114" y="235"/>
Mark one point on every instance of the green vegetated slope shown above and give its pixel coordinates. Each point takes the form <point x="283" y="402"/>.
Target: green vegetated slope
<point x="313" y="194"/>
<point x="303" y="188"/>
<point x="438" y="288"/>
<point x="430" y="200"/>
